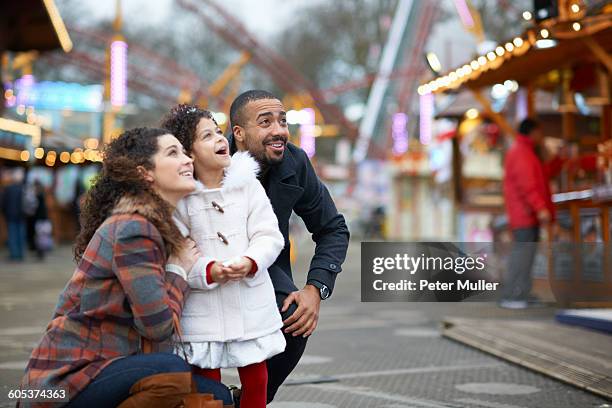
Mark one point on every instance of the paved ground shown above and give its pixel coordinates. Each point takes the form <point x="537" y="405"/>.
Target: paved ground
<point x="362" y="355"/>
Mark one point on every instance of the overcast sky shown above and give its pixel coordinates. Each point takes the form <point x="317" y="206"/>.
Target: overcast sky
<point x="266" y="17"/>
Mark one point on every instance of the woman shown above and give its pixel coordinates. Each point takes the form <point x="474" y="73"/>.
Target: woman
<point x="231" y="320"/>
<point x="119" y="294"/>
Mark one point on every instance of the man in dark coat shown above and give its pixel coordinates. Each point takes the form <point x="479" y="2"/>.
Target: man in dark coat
<point x="259" y="125"/>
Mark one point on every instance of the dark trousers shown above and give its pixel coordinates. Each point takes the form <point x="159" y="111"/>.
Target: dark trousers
<point x="281" y="365"/>
<point x="517" y="282"/>
<point x="112" y="385"/>
<point x="16" y="239"/>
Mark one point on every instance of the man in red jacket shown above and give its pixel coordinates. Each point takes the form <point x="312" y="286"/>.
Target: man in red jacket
<point x="529" y="206"/>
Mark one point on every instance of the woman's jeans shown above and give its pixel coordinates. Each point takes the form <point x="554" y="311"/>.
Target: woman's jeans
<point x="112" y="385"/>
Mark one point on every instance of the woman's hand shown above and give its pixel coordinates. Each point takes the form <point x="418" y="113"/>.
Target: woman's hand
<point x="187" y="256"/>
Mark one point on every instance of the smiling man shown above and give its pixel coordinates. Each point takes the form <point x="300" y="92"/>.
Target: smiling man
<point x="259" y="125"/>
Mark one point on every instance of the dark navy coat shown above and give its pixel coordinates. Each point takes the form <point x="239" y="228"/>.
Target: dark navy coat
<point x="294" y="186"/>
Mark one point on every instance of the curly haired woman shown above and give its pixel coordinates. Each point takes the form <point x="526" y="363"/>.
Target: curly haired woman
<point x="120" y="292"/>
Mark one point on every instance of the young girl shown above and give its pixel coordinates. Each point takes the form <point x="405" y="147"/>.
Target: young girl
<point x="231" y="318"/>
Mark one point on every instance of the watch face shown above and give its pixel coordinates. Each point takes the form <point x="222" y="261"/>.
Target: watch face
<point x="324" y="292"/>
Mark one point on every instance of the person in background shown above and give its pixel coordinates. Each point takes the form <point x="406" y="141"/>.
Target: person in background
<point x="12" y="209"/>
<point x="529" y="207"/>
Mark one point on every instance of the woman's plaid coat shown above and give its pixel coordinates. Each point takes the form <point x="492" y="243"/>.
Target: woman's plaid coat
<point x="119" y="293"/>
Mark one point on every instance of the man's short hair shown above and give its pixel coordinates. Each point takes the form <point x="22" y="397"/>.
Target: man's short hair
<point x="528" y="125"/>
<point x="236" y="110"/>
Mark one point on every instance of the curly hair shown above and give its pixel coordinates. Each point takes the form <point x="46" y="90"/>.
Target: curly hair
<point x="182" y="121"/>
<point x="120" y="177"/>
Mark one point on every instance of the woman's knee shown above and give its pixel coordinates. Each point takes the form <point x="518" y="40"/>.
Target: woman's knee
<point x="168" y="363"/>
<point x="208" y="386"/>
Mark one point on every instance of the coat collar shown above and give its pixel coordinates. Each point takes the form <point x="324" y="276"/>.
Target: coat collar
<point x="242" y="170"/>
<point x="287" y="167"/>
<point x="142" y="205"/>
<point x="281" y="172"/>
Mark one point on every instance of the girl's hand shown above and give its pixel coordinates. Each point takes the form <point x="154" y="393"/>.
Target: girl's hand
<point x="187" y="256"/>
<point x="219" y="273"/>
<point x="233" y="270"/>
<point x="240" y="268"/>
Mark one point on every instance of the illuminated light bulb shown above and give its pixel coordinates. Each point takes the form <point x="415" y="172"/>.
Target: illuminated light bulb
<point x="544" y="33"/>
<point x="576" y="26"/>
<point x="518" y="41"/>
<point x="491" y="56"/>
<point x="474" y="65"/>
<point x="482" y="61"/>
<point x="527" y="15"/>
<point x="509" y="47"/>
<point x="500" y="51"/>
<point x="25" y="155"/>
<point x="575" y="8"/>
<point x="452" y="76"/>
<point x="20" y="109"/>
<point x="471" y="113"/>
<point x="65" y="157"/>
<point x="39" y="152"/>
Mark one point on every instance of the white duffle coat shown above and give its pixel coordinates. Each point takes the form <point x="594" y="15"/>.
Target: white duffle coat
<point x="234" y="220"/>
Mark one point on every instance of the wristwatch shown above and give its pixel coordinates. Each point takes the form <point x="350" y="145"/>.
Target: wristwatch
<point x="324" y="291"/>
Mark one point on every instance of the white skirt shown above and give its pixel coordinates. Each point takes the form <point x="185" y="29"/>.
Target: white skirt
<point x="231" y="354"/>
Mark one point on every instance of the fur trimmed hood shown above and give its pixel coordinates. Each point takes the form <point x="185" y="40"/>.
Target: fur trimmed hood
<point x="147" y="206"/>
<point x="242" y="170"/>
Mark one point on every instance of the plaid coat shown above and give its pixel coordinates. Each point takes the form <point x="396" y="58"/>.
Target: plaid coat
<point x="119" y="293"/>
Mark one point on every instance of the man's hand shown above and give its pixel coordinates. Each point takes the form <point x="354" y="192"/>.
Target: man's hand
<point x="543" y="216"/>
<point x="305" y="318"/>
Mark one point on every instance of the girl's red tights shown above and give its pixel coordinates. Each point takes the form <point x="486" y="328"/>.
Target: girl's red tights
<point x="254" y="380"/>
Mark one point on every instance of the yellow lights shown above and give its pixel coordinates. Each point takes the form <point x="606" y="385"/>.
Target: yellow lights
<point x="527" y="15"/>
<point x="434" y="62"/>
<point x="575" y="8"/>
<point x="544" y="33"/>
<point x="58" y="25"/>
<point x="24" y="156"/>
<point x="472" y="70"/>
<point x="8" y="94"/>
<point x="39" y="152"/>
<point x="576" y="26"/>
<point x="65" y="157"/>
<point x="91" y="143"/>
<point x="50" y="160"/>
<point x="471" y="113"/>
<point x="31" y="119"/>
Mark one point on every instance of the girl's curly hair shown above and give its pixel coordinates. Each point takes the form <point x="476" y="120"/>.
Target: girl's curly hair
<point x="121" y="177"/>
<point x="182" y="121"/>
